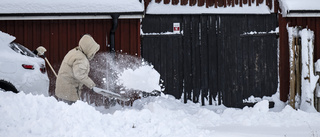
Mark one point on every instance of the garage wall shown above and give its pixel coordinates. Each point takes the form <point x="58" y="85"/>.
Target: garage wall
<point x="59" y="36"/>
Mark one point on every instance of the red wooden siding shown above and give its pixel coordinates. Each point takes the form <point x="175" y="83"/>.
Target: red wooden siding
<point x="59" y="36"/>
<point x="284" y="70"/>
<point x="128" y="37"/>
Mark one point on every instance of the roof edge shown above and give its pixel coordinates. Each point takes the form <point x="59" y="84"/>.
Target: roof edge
<point x="303" y="13"/>
<point x="66" y="16"/>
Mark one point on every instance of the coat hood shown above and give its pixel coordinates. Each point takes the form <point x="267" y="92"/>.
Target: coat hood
<point x="88" y="46"/>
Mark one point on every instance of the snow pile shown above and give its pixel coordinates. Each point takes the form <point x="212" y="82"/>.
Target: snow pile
<point x="29" y="115"/>
<point x="70" y="6"/>
<point x="262" y="106"/>
<point x="144" y="78"/>
<point x="160" y="8"/>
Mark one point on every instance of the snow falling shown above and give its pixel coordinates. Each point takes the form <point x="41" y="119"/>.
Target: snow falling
<point x="125" y="71"/>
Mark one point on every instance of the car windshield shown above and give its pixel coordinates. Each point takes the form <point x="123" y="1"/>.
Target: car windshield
<point x="21" y="49"/>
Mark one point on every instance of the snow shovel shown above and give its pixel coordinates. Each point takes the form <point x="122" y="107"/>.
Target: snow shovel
<point x="110" y="94"/>
<point x="40" y="51"/>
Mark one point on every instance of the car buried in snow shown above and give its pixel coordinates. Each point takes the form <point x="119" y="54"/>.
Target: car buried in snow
<point x="21" y="70"/>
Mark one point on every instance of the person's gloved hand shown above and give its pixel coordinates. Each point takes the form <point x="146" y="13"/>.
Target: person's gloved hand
<point x="41" y="50"/>
<point x="95" y="89"/>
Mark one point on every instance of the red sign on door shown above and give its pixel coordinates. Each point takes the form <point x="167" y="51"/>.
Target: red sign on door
<point x="176" y="27"/>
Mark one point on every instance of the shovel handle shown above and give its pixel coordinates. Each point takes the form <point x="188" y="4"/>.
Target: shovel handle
<point x="51" y="67"/>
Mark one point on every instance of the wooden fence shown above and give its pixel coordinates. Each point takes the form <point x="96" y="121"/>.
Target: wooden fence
<point x="312" y="23"/>
<point x="213" y="59"/>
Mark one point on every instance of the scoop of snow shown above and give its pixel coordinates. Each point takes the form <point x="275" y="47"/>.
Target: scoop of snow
<point x="144" y="78"/>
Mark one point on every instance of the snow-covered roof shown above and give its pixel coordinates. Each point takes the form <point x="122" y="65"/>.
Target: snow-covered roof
<point x="98" y="8"/>
<point x="160" y="8"/>
<point x="300" y="8"/>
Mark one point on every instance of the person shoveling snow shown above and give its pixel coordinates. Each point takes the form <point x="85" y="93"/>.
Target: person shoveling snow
<point x="74" y="70"/>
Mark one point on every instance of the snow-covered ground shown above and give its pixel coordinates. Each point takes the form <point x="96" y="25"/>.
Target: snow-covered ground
<point x="35" y="115"/>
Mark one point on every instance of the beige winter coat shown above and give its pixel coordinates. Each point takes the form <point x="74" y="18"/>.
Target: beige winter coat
<point x="74" y="70"/>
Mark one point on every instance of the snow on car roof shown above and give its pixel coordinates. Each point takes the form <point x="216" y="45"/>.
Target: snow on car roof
<point x="5" y="38"/>
<point x="300" y="7"/>
<point x="8" y="54"/>
<point x="160" y="8"/>
<point x="70" y="6"/>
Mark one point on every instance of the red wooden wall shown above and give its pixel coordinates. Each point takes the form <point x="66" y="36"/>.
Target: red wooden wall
<point x="311" y="23"/>
<point x="59" y="36"/>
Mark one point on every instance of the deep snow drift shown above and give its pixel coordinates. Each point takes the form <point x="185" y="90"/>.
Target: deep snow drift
<point x="33" y="115"/>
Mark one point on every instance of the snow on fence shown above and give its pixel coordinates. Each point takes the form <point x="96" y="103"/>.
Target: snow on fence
<point x="302" y="76"/>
